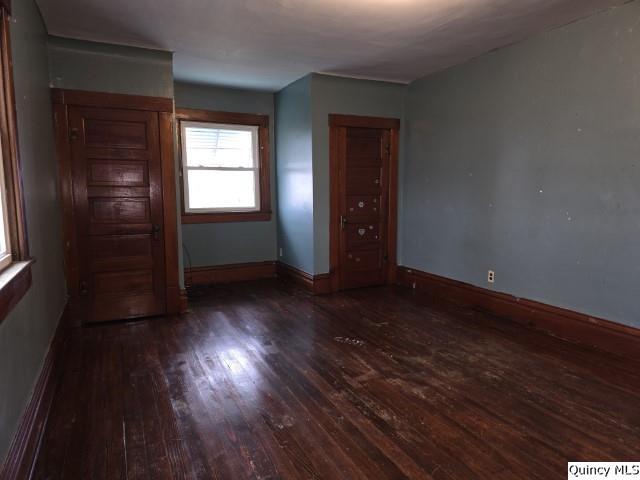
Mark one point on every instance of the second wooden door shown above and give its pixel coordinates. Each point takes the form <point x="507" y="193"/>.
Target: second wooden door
<point x="363" y="202"/>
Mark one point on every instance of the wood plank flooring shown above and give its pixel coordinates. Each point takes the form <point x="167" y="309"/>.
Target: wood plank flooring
<point x="263" y="381"/>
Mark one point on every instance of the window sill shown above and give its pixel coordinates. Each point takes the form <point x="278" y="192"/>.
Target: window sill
<point x="229" y="217"/>
<point x="15" y="281"/>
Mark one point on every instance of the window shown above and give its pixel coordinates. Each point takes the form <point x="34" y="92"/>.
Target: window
<point x="15" y="270"/>
<point x="221" y="167"/>
<point x="225" y="172"/>
<point x="5" y="238"/>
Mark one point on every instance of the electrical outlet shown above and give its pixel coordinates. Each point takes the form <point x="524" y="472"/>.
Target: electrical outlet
<point x="491" y="276"/>
<point x="280" y="251"/>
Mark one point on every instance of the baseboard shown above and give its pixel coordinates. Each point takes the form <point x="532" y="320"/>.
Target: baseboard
<point x="184" y="302"/>
<point x="236" y="272"/>
<point x="567" y="324"/>
<point x="322" y="284"/>
<point x="24" y="448"/>
<point x="315" y="284"/>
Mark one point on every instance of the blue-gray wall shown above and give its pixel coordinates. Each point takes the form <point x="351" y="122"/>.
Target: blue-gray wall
<point x="346" y="96"/>
<point x="25" y="334"/>
<point x="295" y="174"/>
<point x="224" y="243"/>
<point x="102" y="67"/>
<point x="527" y="161"/>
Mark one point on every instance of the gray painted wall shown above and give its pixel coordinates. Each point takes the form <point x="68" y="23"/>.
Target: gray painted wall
<point x="527" y="161"/>
<point x="224" y="243"/>
<point x="25" y="334"/>
<point x="295" y="174"/>
<point x="102" y="67"/>
<point x="347" y="96"/>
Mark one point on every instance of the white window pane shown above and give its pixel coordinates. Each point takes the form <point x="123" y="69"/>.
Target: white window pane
<point x="3" y="232"/>
<point x="220" y="189"/>
<point x="220" y="147"/>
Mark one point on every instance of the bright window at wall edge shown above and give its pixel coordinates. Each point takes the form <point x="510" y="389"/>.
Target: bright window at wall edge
<point x="15" y="261"/>
<point x="5" y="238"/>
<point x="220" y="167"/>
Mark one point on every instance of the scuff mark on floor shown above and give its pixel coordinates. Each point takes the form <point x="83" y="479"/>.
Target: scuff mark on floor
<point x="350" y="341"/>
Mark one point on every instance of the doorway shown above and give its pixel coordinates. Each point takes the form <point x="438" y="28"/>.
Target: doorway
<point x="364" y="179"/>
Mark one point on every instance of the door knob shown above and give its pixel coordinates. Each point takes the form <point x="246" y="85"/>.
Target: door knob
<point x="156" y="231"/>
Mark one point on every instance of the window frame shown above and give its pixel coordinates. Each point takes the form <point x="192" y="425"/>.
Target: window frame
<point x="15" y="271"/>
<point x="263" y="213"/>
<point x="255" y="169"/>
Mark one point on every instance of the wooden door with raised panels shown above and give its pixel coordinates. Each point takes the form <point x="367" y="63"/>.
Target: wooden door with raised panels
<point x="364" y="155"/>
<point x="118" y="212"/>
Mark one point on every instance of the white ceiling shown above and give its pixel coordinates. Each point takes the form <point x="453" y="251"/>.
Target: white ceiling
<point x="267" y="44"/>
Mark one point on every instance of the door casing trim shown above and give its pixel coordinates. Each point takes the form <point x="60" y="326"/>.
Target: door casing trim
<point x="336" y="122"/>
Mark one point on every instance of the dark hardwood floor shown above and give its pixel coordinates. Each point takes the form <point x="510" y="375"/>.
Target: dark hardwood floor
<point x="262" y="380"/>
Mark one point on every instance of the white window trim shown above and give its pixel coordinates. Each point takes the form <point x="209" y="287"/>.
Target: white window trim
<point x="255" y="140"/>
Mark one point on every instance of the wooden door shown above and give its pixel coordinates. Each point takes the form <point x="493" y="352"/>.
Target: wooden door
<point x="118" y="212"/>
<point x="364" y="156"/>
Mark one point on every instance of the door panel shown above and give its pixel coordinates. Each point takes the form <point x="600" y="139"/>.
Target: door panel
<point x="359" y="234"/>
<point x="363" y="180"/>
<point x="118" y="210"/>
<point x="125" y="281"/>
<point x="368" y="260"/>
<point x="117" y="192"/>
<point x="115" y="134"/>
<point x="120" y="246"/>
<point x="363" y="204"/>
<point x="117" y="252"/>
<point x="364" y="194"/>
<point x="363" y="148"/>
<point x="101" y="172"/>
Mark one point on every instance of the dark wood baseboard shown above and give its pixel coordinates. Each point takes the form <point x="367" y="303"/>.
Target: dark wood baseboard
<point x="560" y="322"/>
<point x="316" y="284"/>
<point x="24" y="448"/>
<point x="322" y="284"/>
<point x="236" y="272"/>
<point x="184" y="301"/>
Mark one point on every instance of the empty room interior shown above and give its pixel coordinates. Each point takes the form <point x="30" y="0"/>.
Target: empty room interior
<point x="318" y="239"/>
